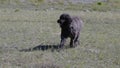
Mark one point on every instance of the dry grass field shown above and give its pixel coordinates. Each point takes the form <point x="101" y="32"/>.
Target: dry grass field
<point x="22" y="30"/>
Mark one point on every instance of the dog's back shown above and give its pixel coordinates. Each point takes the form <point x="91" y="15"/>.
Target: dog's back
<point x="76" y="23"/>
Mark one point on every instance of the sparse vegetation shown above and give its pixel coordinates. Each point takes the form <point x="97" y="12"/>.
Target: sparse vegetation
<point x="25" y="29"/>
<point x="27" y="24"/>
<point x="17" y="10"/>
<point x="98" y="5"/>
<point x="36" y="2"/>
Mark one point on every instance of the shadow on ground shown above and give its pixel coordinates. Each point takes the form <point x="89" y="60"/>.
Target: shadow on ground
<point x="41" y="48"/>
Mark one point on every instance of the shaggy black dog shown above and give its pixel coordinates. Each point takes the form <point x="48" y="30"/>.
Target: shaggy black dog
<point x="70" y="27"/>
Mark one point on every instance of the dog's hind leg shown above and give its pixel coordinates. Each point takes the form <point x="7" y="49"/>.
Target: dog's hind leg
<point x="76" y="40"/>
<point x="72" y="42"/>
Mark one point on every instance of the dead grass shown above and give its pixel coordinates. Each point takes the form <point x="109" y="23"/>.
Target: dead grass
<point x="24" y="29"/>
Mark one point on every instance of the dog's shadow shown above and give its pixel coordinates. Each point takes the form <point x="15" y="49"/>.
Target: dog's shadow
<point x="41" y="48"/>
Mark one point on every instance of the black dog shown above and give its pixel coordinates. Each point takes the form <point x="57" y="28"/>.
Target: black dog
<point x="70" y="27"/>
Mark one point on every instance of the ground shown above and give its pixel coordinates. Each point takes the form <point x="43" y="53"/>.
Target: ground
<point x="22" y="29"/>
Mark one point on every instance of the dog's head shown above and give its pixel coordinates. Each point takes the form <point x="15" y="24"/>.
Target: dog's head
<point x="64" y="19"/>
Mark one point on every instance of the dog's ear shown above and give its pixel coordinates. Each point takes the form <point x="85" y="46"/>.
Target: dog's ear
<point x="58" y="21"/>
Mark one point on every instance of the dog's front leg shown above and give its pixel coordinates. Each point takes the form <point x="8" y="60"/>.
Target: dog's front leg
<point x="62" y="42"/>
